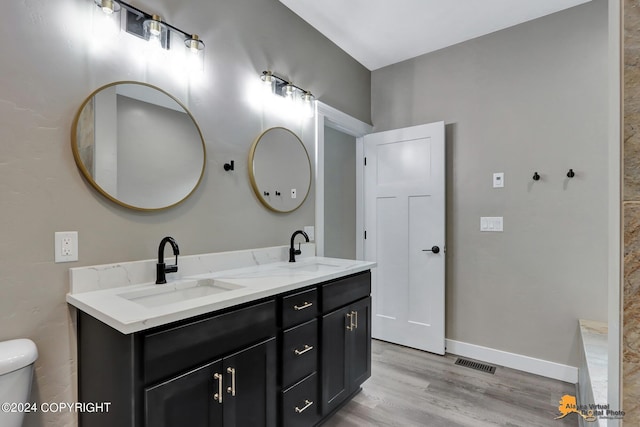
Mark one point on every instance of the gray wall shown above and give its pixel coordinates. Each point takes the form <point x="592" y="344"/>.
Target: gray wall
<point x="43" y="80"/>
<point x="339" y="194"/>
<point x="525" y="99"/>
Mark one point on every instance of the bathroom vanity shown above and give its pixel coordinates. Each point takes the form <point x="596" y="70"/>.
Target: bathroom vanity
<point x="274" y="355"/>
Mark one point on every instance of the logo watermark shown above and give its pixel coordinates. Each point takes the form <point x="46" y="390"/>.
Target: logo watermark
<point x="590" y="412"/>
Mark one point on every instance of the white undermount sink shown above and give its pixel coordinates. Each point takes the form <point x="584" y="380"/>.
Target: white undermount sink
<point x="310" y="266"/>
<point x="179" y="291"/>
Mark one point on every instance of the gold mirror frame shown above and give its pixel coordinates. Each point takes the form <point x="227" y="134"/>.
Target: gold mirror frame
<point x="252" y="178"/>
<point x="88" y="176"/>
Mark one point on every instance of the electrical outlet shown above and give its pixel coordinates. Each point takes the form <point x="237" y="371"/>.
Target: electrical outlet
<point x="66" y="246"/>
<point x="66" y="249"/>
<point x="293" y="193"/>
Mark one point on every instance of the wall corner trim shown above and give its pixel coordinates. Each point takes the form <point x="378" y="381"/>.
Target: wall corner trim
<point x="520" y="362"/>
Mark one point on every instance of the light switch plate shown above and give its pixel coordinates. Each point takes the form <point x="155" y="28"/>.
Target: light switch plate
<point x="491" y="223"/>
<point x="498" y="180"/>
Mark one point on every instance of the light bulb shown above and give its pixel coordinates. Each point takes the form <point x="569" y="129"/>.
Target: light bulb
<point x="109" y="7"/>
<point x="105" y="22"/>
<point x="194" y="44"/>
<point x="156" y="32"/>
<point x="288" y="91"/>
<point x="307" y="104"/>
<point x="195" y="53"/>
<point x="154" y="28"/>
<point x="267" y="78"/>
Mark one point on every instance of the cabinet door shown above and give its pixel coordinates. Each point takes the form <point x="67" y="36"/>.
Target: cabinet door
<point x="359" y="351"/>
<point x="250" y="387"/>
<point x="335" y="386"/>
<point x="186" y="400"/>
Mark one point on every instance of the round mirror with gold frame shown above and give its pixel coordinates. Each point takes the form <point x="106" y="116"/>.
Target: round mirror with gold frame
<point x="280" y="170"/>
<point x="138" y="146"/>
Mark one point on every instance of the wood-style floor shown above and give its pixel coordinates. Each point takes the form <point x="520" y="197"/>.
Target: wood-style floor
<point x="413" y="388"/>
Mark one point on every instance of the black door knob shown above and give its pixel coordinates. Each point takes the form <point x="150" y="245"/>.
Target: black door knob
<point x="433" y="249"/>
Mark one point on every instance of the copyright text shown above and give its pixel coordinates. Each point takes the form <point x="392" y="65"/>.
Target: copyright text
<point x="25" y="407"/>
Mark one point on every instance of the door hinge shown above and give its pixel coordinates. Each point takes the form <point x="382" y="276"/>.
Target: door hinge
<point x="365" y="234"/>
<point x="365" y="161"/>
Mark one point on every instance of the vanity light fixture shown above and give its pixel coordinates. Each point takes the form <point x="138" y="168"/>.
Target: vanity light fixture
<point x="156" y="32"/>
<point x="151" y="27"/>
<point x="281" y="87"/>
<point x="109" y="7"/>
<point x="106" y="19"/>
<point x="195" y="47"/>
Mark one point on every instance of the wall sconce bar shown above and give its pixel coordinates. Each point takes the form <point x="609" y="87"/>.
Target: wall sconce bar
<point x="151" y="27"/>
<point x="285" y="88"/>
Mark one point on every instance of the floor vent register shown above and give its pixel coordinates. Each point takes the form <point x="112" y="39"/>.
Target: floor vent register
<point x="467" y="363"/>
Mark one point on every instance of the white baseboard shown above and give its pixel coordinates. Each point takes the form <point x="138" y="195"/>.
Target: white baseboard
<point x="515" y="361"/>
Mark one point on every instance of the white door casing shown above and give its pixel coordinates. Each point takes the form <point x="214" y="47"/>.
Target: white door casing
<point x="404" y="216"/>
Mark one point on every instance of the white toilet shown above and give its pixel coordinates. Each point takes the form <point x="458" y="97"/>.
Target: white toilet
<point x="16" y="371"/>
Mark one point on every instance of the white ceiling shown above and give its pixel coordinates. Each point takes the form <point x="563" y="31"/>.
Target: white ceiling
<point x="382" y="32"/>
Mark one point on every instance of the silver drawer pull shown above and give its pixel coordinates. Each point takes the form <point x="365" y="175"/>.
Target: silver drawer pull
<point x="350" y="327"/>
<point x="306" y="348"/>
<point x="232" y="390"/>
<point x="303" y="306"/>
<point x="218" y="396"/>
<point x="354" y="314"/>
<point x="307" y="403"/>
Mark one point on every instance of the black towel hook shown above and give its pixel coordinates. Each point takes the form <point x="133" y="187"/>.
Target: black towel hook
<point x="536" y="176"/>
<point x="571" y="173"/>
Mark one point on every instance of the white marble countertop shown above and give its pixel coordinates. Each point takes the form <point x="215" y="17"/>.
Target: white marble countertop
<point x="115" y="307"/>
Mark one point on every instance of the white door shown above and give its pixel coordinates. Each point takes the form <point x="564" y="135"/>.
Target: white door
<point x="404" y="199"/>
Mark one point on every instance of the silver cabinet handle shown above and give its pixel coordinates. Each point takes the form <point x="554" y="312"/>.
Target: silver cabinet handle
<point x="307" y="403"/>
<point x="355" y="314"/>
<point x="306" y="304"/>
<point x="218" y="396"/>
<point x="306" y="348"/>
<point x="350" y="327"/>
<point x="232" y="389"/>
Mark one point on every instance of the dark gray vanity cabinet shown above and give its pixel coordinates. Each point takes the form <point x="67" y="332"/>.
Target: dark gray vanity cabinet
<point x="233" y="392"/>
<point x="345" y="339"/>
<point x="213" y="371"/>
<point x="288" y="361"/>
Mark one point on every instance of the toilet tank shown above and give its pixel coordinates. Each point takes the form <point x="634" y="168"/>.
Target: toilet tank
<point x="16" y="371"/>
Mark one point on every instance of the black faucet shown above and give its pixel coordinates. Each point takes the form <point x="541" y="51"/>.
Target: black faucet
<point x="292" y="251"/>
<point x="161" y="268"/>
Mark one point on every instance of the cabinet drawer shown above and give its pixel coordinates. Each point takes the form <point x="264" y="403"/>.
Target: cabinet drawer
<point x="177" y="349"/>
<point x="345" y="291"/>
<point x="299" y="352"/>
<point x="299" y="307"/>
<point x="300" y="403"/>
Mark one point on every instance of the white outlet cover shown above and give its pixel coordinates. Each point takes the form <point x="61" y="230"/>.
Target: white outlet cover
<point x="66" y="246"/>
